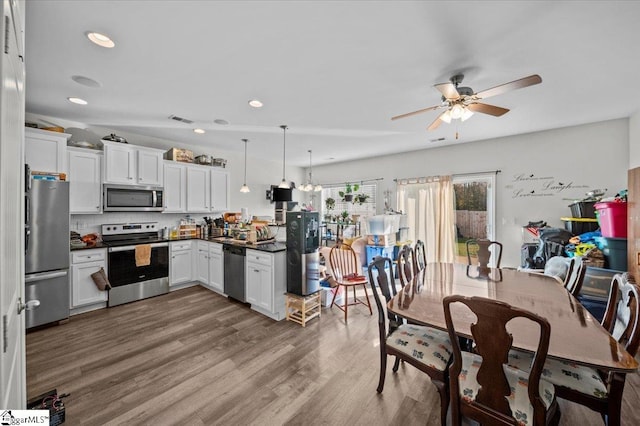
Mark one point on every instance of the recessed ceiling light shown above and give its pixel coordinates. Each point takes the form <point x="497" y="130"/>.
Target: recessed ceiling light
<point x="199" y="131"/>
<point x="77" y="101"/>
<point x="221" y="122"/>
<point x="85" y="81"/>
<point x="255" y="103"/>
<point x="100" y="39"/>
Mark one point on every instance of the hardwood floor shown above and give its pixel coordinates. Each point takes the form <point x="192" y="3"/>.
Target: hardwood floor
<point x="194" y="357"/>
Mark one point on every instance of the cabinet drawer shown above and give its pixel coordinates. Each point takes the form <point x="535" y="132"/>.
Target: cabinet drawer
<point x="203" y="246"/>
<point x="85" y="256"/>
<point x="259" y="258"/>
<point x="181" y="246"/>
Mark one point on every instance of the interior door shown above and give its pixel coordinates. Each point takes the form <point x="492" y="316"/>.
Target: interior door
<point x="12" y="354"/>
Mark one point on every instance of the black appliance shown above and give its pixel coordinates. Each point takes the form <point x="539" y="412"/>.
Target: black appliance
<point x="131" y="282"/>
<point x="234" y="275"/>
<point x="128" y="198"/>
<point x="280" y="194"/>
<point x="282" y="207"/>
<point x="303" y="257"/>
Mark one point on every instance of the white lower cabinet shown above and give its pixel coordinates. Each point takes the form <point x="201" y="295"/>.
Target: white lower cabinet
<point x="265" y="277"/>
<point x="181" y="265"/>
<point x="210" y="266"/>
<point x="84" y="293"/>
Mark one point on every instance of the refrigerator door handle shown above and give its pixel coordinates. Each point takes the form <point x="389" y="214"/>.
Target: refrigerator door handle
<point x="27" y="210"/>
<point x="44" y="276"/>
<point x="27" y="177"/>
<point x="27" y="234"/>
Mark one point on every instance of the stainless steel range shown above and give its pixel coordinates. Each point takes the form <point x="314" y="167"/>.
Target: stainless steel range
<point x="138" y="261"/>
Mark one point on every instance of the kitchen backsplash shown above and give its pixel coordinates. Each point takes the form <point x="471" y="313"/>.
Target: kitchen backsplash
<point x="91" y="223"/>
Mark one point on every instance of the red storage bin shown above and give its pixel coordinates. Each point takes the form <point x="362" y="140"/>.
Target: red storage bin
<point x="613" y="219"/>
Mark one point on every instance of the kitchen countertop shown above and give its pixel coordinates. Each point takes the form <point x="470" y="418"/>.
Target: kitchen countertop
<point x="267" y="247"/>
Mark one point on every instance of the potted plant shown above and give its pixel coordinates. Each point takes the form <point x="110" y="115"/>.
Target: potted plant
<point x="330" y="203"/>
<point x="345" y="215"/>
<point x="347" y="194"/>
<point x="360" y="198"/>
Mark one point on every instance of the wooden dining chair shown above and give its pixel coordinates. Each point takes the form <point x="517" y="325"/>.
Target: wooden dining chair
<point x="405" y="263"/>
<point x="575" y="276"/>
<point x="597" y="390"/>
<point x="482" y="247"/>
<point x="426" y="348"/>
<point x="347" y="273"/>
<point x="419" y="257"/>
<point x="482" y="386"/>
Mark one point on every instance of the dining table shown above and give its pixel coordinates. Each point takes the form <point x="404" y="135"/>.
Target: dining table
<point x="576" y="335"/>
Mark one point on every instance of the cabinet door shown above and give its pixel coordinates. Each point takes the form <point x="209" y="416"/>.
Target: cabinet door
<point x="175" y="188"/>
<point x="259" y="289"/>
<point x="202" y="265"/>
<point x="83" y="289"/>
<point x="149" y="167"/>
<point x="120" y="164"/>
<point x="219" y="190"/>
<point x="216" y="270"/>
<point x="46" y="151"/>
<point x="198" y="189"/>
<point x="180" y="267"/>
<point x="85" y="182"/>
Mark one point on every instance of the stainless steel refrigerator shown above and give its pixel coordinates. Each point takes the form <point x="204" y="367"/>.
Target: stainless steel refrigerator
<point x="46" y="251"/>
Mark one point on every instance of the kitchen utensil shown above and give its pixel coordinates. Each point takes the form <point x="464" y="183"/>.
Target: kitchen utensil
<point x="114" y="138"/>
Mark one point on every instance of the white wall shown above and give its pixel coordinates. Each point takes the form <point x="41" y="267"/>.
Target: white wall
<point x="634" y="140"/>
<point x="581" y="158"/>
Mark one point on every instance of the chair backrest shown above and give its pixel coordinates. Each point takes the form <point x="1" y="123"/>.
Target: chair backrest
<point x="380" y="278"/>
<point x="482" y="248"/>
<point x="343" y="261"/>
<point x="575" y="276"/>
<point x="493" y="343"/>
<point x="622" y="317"/>
<point x="405" y="265"/>
<point x="419" y="257"/>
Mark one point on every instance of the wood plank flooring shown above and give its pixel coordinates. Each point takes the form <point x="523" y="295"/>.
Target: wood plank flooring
<point x="194" y="357"/>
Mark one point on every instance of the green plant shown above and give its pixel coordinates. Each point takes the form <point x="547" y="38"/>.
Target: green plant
<point x="349" y="189"/>
<point x="345" y="215"/>
<point x="360" y="198"/>
<point x="330" y="203"/>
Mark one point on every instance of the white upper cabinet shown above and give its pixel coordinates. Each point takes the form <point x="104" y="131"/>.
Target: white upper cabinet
<point x="46" y="151"/>
<point x="198" y="189"/>
<point x="85" y="181"/>
<point x="131" y="165"/>
<point x="175" y="187"/>
<point x="150" y="167"/>
<point x="219" y="190"/>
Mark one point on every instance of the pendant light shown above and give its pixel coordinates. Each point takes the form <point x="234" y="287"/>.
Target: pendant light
<point x="245" y="188"/>
<point x="284" y="184"/>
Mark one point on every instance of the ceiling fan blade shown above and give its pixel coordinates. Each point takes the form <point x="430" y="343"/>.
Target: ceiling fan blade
<point x="488" y="109"/>
<point x="513" y="85"/>
<point x="448" y="90"/>
<point x="436" y="122"/>
<point x="420" y="111"/>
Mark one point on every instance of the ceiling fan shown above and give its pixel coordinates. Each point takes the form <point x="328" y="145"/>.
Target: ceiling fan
<point x="462" y="102"/>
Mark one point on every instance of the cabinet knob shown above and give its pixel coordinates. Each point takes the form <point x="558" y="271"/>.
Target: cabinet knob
<point x="256" y="270"/>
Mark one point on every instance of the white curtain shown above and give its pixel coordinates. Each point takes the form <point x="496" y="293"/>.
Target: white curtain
<point x="430" y="209"/>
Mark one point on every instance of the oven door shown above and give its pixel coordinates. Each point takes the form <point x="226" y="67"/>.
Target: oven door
<point x="123" y="269"/>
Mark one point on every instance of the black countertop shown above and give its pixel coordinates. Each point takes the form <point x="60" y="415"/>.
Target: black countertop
<point x="267" y="247"/>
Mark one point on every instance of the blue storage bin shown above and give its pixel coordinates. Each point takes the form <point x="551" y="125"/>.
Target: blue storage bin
<point x="373" y="251"/>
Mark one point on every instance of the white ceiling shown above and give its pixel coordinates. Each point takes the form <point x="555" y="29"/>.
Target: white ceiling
<point x="334" y="72"/>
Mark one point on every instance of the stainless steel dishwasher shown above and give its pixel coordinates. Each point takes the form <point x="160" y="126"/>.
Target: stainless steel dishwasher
<point x="234" y="285"/>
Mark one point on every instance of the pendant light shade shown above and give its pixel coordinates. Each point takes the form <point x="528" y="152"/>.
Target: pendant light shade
<point x="245" y="188"/>
<point x="284" y="184"/>
<point x="308" y="187"/>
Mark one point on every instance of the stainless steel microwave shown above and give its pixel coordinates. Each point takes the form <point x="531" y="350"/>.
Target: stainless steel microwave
<point x="126" y="198"/>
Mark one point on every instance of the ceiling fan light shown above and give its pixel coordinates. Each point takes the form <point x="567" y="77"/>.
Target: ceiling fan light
<point x="446" y="116"/>
<point x="317" y="188"/>
<point x="466" y="114"/>
<point x="457" y="111"/>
